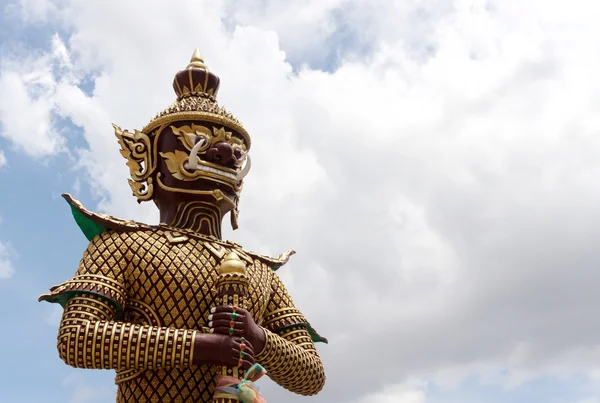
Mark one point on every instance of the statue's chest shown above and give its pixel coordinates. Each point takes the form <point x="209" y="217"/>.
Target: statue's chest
<point x="175" y="284"/>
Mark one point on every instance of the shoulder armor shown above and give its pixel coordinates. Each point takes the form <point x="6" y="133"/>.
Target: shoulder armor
<point x="93" y="224"/>
<point x="273" y="262"/>
<point x="219" y="248"/>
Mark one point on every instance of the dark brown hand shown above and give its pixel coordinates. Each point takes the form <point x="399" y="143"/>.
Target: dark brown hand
<point x="224" y="320"/>
<point x="218" y="349"/>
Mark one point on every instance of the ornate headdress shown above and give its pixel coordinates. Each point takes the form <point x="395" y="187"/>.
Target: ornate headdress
<point x="196" y="88"/>
<point x="198" y="122"/>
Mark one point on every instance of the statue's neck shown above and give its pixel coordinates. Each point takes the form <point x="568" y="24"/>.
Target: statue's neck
<point x="198" y="216"/>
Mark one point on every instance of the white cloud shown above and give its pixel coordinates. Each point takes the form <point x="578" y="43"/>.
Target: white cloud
<point x="26" y="118"/>
<point x="32" y="11"/>
<point x="441" y="185"/>
<point x="27" y="115"/>
<point x="301" y="26"/>
<point x="412" y="391"/>
<point x="3" y="161"/>
<point x="6" y="267"/>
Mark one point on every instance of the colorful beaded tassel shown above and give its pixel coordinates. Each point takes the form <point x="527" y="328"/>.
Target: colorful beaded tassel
<point x="244" y="390"/>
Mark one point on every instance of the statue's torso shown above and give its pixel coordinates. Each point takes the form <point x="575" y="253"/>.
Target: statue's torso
<point x="169" y="281"/>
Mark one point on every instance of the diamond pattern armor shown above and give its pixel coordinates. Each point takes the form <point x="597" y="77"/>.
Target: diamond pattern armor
<point x="139" y="298"/>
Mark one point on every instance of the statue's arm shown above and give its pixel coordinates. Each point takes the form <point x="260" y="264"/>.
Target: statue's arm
<point x="90" y="337"/>
<point x="289" y="354"/>
<point x="92" y="334"/>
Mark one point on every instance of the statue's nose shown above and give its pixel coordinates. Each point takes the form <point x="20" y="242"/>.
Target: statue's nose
<point x="221" y="153"/>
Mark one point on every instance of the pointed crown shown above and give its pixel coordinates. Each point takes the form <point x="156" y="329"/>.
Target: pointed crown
<point x="196" y="79"/>
<point x="196" y="88"/>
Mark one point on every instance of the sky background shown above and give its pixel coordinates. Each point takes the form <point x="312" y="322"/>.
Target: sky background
<point x="440" y="181"/>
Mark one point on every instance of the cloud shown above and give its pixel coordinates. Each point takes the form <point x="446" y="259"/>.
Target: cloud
<point x="3" y="161"/>
<point x="6" y="267"/>
<point x="28" y="114"/>
<point x="32" y="11"/>
<point x="440" y="186"/>
<point x="301" y="26"/>
<point x="412" y="391"/>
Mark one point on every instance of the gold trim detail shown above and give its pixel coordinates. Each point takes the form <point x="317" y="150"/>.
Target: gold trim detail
<point x="185" y="134"/>
<point x="136" y="148"/>
<point x="193" y="215"/>
<point x="217" y="194"/>
<point x="95" y="283"/>
<point x="296" y="368"/>
<point x="202" y="116"/>
<point x="175" y="239"/>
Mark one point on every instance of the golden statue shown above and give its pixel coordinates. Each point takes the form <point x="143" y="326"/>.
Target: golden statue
<point x="172" y="307"/>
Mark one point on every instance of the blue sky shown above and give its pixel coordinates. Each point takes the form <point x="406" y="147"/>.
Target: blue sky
<point x="456" y="142"/>
<point x="45" y="247"/>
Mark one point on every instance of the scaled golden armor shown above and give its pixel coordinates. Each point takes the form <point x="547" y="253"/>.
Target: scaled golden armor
<point x="144" y="300"/>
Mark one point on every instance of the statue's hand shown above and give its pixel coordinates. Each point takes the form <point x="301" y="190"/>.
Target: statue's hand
<point x="224" y="320"/>
<point x="221" y="350"/>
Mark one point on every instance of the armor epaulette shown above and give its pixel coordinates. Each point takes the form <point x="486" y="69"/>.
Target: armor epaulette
<point x="273" y="262"/>
<point x="93" y="224"/>
<point x="91" y="284"/>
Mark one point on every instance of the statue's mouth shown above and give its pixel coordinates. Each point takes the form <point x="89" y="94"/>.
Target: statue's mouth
<point x="195" y="164"/>
<point x="212" y="169"/>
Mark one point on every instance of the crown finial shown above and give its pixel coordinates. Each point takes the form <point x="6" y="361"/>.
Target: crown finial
<point x="196" y="60"/>
<point x="196" y="80"/>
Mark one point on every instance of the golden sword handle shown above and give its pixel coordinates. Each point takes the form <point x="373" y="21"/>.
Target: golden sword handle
<point x="232" y="289"/>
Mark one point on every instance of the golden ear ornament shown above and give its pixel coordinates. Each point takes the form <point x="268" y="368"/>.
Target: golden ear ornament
<point x="143" y="191"/>
<point x="136" y="148"/>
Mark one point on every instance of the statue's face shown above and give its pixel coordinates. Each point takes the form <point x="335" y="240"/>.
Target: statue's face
<point x="199" y="157"/>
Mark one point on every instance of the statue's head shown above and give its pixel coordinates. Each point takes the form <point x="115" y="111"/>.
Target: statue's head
<point x="192" y="151"/>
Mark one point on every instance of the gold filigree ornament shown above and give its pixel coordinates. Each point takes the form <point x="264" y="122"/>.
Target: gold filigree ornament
<point x="191" y="135"/>
<point x="217" y="194"/>
<point x="136" y="147"/>
<point x="235" y="213"/>
<point x="188" y="134"/>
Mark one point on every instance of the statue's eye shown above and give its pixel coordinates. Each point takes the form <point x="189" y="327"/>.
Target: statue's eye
<point x="200" y="139"/>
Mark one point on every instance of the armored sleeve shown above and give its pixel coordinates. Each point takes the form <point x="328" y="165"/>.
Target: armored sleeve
<point x="289" y="355"/>
<point x="101" y="273"/>
<point x="91" y="334"/>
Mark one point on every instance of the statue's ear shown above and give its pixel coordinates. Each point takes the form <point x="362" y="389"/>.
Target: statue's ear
<point x="137" y="149"/>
